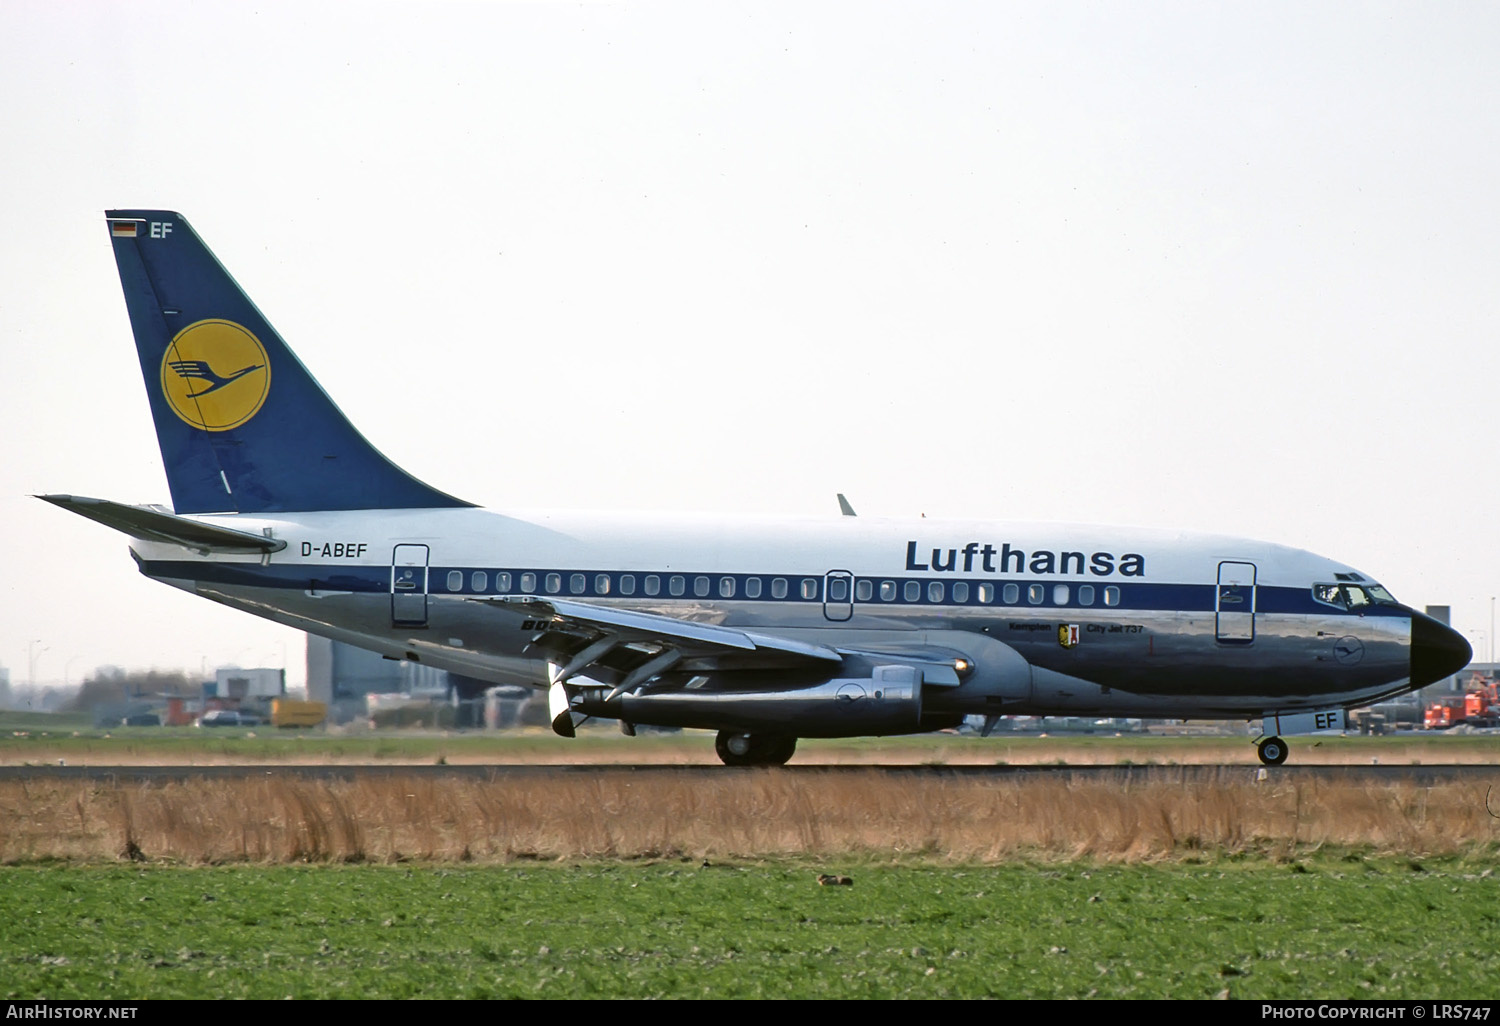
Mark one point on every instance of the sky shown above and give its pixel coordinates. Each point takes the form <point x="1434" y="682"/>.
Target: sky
<point x="1225" y="267"/>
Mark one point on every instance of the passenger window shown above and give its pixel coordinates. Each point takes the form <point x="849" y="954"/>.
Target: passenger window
<point x="1012" y="594"/>
<point x="864" y="590"/>
<point x="986" y="594"/>
<point x="913" y="591"/>
<point x="576" y="583"/>
<point x="1036" y="593"/>
<point x="700" y="586"/>
<point x="1111" y="596"/>
<point x="960" y="592"/>
<point x="554" y="583"/>
<point x="479" y="581"/>
<point x="502" y="582"/>
<point x="1060" y="594"/>
<point x="677" y="584"/>
<point x="887" y="591"/>
<point x="778" y="588"/>
<point x="809" y="587"/>
<point x="528" y="582"/>
<point x="455" y="580"/>
<point x="653" y="584"/>
<point x="838" y="589"/>
<point x="726" y="587"/>
<point x="627" y="584"/>
<point x="934" y="591"/>
<point x="752" y="587"/>
<point x="1085" y="594"/>
<point x="601" y="584"/>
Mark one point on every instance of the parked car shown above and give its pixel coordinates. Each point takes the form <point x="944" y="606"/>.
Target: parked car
<point x="229" y="718"/>
<point x="141" y="719"/>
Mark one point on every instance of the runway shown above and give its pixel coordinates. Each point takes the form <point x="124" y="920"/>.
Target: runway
<point x="1133" y="775"/>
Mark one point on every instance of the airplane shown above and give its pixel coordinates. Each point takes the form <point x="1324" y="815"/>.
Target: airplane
<point x="764" y="629"/>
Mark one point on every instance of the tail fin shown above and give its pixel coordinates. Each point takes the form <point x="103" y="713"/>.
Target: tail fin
<point x="243" y="427"/>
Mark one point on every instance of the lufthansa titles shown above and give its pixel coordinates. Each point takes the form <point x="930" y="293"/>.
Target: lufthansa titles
<point x="986" y="558"/>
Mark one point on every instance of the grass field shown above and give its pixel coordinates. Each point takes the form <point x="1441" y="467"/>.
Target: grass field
<point x="1330" y="926"/>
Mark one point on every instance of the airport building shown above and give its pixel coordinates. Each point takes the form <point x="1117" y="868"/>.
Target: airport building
<point x="357" y="684"/>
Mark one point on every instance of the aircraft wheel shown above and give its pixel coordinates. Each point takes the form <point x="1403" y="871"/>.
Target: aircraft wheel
<point x="738" y="749"/>
<point x="1272" y="751"/>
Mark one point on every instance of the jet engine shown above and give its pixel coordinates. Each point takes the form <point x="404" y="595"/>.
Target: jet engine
<point x="886" y="701"/>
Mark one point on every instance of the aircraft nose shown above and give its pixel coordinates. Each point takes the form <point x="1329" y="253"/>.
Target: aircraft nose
<point x="1437" y="650"/>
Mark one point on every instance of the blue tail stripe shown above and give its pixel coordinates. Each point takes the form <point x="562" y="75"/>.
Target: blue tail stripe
<point x="274" y="440"/>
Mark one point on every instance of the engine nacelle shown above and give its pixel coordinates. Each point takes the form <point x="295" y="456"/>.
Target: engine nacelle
<point x="888" y="701"/>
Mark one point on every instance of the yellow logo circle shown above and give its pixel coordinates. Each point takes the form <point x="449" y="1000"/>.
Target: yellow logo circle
<point x="215" y="375"/>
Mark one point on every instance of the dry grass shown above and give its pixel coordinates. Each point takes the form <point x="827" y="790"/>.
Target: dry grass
<point x="718" y="815"/>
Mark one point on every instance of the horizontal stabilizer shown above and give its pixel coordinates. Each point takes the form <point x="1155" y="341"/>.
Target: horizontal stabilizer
<point x="151" y="524"/>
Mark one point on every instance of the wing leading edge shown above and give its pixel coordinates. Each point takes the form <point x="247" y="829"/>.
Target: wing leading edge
<point x="583" y="636"/>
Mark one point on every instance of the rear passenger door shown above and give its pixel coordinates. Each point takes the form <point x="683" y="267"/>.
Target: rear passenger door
<point x="409" y="586"/>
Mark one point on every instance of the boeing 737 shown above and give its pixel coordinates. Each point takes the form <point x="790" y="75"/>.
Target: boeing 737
<point x="762" y="629"/>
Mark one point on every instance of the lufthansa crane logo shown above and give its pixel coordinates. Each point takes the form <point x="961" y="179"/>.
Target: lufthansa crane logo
<point x="1349" y="650"/>
<point x="215" y="375"/>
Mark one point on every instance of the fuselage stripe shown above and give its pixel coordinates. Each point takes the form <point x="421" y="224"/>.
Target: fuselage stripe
<point x="990" y="593"/>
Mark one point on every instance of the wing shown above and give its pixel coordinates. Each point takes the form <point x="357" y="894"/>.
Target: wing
<point x="628" y="649"/>
<point x="641" y="667"/>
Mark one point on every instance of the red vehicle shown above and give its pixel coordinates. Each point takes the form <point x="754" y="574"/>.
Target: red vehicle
<point x="1478" y="706"/>
<point x="1444" y="713"/>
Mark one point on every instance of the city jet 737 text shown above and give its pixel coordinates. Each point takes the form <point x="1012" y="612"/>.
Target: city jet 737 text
<point x="762" y="629"/>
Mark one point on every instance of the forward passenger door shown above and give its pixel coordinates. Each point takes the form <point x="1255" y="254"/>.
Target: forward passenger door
<point x="1234" y="603"/>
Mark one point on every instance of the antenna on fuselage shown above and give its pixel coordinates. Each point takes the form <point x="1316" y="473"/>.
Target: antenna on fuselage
<point x="845" y="508"/>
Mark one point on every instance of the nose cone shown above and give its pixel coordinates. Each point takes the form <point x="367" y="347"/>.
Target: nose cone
<point x="1437" y="651"/>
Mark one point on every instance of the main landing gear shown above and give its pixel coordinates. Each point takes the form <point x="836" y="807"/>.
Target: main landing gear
<point x="1272" y="751"/>
<point x="754" y="749"/>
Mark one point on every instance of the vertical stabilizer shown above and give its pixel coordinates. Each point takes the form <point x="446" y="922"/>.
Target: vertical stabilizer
<point x="243" y="427"/>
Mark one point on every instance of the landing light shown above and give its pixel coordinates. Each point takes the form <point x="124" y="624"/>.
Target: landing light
<point x="962" y="666"/>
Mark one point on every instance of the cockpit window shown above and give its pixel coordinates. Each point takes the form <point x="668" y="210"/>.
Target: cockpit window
<point x="1352" y="596"/>
<point x="1332" y="594"/>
